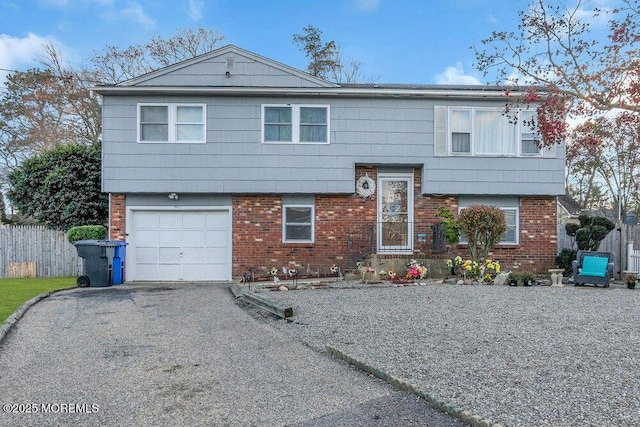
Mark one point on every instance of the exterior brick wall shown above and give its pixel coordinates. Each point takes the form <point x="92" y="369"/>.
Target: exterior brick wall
<point x="258" y="246"/>
<point x="257" y="231"/>
<point x="117" y="216"/>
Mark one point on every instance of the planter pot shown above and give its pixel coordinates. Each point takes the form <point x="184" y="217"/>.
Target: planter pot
<point x="631" y="285"/>
<point x="513" y="283"/>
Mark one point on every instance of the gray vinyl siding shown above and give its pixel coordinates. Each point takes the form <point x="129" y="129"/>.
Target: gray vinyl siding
<point x="247" y="73"/>
<point x="364" y="131"/>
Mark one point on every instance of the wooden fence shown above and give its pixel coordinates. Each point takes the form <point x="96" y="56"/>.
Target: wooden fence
<point x="617" y="242"/>
<point x="36" y="251"/>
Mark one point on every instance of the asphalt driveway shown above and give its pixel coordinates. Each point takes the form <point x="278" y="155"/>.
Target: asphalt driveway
<point x="180" y="354"/>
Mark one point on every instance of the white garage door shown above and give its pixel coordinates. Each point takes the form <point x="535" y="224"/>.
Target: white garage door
<point x="181" y="245"/>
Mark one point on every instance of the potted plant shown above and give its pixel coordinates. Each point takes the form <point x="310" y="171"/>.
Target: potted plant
<point x="528" y="278"/>
<point x="630" y="278"/>
<point x="514" y="278"/>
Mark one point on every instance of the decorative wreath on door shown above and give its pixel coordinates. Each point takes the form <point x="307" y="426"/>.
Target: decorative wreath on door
<point x="365" y="187"/>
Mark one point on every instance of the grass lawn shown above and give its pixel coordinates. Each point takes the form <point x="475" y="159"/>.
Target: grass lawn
<point x="14" y="292"/>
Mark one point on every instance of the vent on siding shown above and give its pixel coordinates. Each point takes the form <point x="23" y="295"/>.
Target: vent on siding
<point x="231" y="63"/>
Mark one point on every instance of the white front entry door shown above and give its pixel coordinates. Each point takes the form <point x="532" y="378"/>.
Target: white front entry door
<point x="395" y="212"/>
<point x="179" y="245"/>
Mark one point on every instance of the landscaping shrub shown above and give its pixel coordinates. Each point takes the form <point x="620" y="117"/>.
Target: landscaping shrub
<point x="86" y="232"/>
<point x="483" y="227"/>
<point x="564" y="259"/>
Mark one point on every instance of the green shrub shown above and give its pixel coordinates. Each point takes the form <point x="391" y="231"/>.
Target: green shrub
<point x="86" y="232"/>
<point x="565" y="258"/>
<point x="483" y="227"/>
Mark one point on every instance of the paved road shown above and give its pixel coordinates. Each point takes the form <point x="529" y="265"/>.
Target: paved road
<point x="159" y="354"/>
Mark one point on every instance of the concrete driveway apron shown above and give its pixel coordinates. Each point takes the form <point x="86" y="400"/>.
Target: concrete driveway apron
<point x="180" y="354"/>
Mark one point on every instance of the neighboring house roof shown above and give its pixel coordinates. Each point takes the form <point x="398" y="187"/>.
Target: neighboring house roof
<point x="570" y="205"/>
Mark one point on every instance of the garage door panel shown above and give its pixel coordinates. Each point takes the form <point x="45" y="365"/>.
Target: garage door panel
<point x="147" y="271"/>
<point x="217" y="238"/>
<point x="194" y="222"/>
<point x="216" y="270"/>
<point x="169" y="272"/>
<point x="147" y="237"/>
<point x="146" y="221"/>
<point x="193" y="255"/>
<point x="169" y="237"/>
<point x="146" y="255"/>
<point x="193" y="272"/>
<point x="217" y="255"/>
<point x="169" y="255"/>
<point x="181" y="245"/>
<point x="194" y="238"/>
<point x="171" y="221"/>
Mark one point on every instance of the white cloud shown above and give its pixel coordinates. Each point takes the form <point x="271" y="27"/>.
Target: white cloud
<point x="454" y="75"/>
<point x="367" y="5"/>
<point x="195" y="9"/>
<point x="136" y="13"/>
<point x="19" y="53"/>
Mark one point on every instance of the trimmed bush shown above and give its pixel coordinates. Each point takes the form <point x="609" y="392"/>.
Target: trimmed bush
<point x="86" y="232"/>
<point x="565" y="258"/>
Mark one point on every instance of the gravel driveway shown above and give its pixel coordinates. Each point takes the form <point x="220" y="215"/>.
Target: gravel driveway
<point x="520" y="356"/>
<point x="183" y="355"/>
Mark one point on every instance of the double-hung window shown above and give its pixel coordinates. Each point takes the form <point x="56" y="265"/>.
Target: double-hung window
<point x="489" y="132"/>
<point x="529" y="135"/>
<point x="298" y="223"/>
<point x="510" y="236"/>
<point x="302" y="124"/>
<point x="182" y="123"/>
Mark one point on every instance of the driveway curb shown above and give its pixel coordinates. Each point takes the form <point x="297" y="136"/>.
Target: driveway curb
<point x="13" y="318"/>
<point x="401" y="384"/>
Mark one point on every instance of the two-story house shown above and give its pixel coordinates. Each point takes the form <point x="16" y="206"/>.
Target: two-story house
<point x="230" y="162"/>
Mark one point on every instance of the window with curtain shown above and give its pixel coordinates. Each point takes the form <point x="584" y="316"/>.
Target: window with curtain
<point x="170" y="123"/>
<point x="461" y="131"/>
<point x="489" y="132"/>
<point x="304" y="124"/>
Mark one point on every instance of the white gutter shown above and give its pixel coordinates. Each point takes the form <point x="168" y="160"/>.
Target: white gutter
<point x="335" y="92"/>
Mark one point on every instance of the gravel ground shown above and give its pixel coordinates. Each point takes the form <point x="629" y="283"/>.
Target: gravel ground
<point x="520" y="356"/>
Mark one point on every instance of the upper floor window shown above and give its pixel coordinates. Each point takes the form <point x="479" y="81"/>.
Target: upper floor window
<point x="171" y="123"/>
<point x="295" y="124"/>
<point x="487" y="131"/>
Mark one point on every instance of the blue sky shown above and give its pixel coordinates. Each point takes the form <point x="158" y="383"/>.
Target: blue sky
<point x="397" y="41"/>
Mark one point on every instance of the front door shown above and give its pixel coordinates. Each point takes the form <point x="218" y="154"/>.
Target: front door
<point x="395" y="212"/>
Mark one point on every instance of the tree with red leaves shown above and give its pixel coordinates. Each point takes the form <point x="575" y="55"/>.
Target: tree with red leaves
<point x="556" y="53"/>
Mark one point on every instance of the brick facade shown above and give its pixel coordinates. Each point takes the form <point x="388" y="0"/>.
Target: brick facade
<point x="257" y="230"/>
<point x="117" y="216"/>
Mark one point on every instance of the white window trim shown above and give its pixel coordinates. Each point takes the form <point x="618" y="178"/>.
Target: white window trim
<point x="517" y="132"/>
<point x="295" y="124"/>
<point x="172" y="110"/>
<point x="517" y="232"/>
<point x="284" y="223"/>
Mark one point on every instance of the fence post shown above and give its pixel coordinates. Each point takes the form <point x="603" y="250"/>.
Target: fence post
<point x="629" y="254"/>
